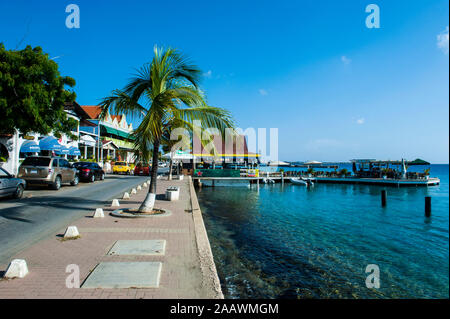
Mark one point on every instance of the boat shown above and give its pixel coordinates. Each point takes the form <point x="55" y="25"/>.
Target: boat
<point x="267" y="180"/>
<point x="302" y="181"/>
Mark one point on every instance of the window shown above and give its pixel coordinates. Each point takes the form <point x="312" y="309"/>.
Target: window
<point x="36" y="161"/>
<point x="63" y="163"/>
<point x="3" y="173"/>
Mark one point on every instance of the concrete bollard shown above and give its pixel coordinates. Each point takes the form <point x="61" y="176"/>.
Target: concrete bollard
<point x="115" y="203"/>
<point x="428" y="206"/>
<point x="71" y="232"/>
<point x="383" y="198"/>
<point x="145" y="184"/>
<point x="139" y="188"/>
<point x="180" y="177"/>
<point x="98" y="213"/>
<point x="173" y="193"/>
<point x="133" y="191"/>
<point x="126" y="195"/>
<point x="17" y="268"/>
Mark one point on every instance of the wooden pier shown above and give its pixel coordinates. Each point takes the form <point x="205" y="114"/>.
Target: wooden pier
<point x="219" y="181"/>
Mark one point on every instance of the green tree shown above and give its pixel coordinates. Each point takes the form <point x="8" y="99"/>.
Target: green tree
<point x="33" y="93"/>
<point x="164" y="92"/>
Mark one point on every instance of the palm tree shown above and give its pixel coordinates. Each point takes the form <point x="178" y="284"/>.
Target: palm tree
<point x="164" y="92"/>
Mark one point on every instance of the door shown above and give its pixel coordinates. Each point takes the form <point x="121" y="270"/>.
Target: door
<point x="98" y="171"/>
<point x="6" y="186"/>
<point x="66" y="171"/>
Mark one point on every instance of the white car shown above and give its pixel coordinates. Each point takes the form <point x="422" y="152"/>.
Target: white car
<point x="162" y="164"/>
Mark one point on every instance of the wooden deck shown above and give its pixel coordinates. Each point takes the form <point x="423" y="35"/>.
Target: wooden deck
<point x="379" y="181"/>
<point x="334" y="180"/>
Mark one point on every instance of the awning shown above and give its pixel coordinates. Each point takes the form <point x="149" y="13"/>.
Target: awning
<point x="63" y="151"/>
<point x="179" y="155"/>
<point x="278" y="163"/>
<point x="110" y="130"/>
<point x="49" y="143"/>
<point x="109" y="145"/>
<point x="87" y="140"/>
<point x="74" y="151"/>
<point x="30" y="147"/>
<point x="312" y="163"/>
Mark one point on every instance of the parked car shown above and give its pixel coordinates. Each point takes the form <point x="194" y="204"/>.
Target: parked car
<point x="53" y="171"/>
<point x="122" y="168"/>
<point x="162" y="164"/>
<point x="88" y="171"/>
<point x="142" y="169"/>
<point x="10" y="185"/>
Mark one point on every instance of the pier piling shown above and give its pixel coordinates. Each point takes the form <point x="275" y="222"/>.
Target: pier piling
<point x="428" y="206"/>
<point x="383" y="198"/>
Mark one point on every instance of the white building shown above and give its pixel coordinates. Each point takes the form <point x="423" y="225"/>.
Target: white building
<point x="11" y="144"/>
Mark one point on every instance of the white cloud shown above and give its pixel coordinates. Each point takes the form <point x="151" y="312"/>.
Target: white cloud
<point x="208" y="74"/>
<point x="442" y="41"/>
<point x="345" y="60"/>
<point x="360" y="120"/>
<point x="263" y="92"/>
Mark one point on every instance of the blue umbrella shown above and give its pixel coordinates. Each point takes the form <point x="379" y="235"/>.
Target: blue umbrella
<point x="74" y="151"/>
<point x="63" y="150"/>
<point x="49" y="143"/>
<point x="30" y="147"/>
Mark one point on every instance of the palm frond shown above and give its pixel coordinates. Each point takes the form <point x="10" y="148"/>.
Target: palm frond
<point x="121" y="102"/>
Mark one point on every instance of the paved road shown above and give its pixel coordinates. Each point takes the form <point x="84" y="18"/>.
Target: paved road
<point x="42" y="212"/>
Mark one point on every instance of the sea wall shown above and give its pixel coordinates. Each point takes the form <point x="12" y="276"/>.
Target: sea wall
<point x="210" y="280"/>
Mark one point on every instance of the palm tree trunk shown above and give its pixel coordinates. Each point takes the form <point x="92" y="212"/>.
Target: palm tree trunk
<point x="149" y="202"/>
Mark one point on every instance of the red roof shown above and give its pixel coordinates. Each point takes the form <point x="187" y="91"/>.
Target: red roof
<point x="236" y="147"/>
<point x="92" y="110"/>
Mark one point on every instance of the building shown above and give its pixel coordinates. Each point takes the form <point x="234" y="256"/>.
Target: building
<point x="15" y="147"/>
<point x="111" y="135"/>
<point x="225" y="151"/>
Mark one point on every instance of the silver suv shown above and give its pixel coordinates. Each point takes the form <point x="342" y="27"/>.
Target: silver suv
<point x="52" y="171"/>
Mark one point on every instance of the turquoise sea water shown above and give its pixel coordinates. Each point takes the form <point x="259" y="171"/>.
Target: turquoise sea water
<point x="296" y="242"/>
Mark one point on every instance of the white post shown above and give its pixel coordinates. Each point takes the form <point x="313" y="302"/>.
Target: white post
<point x="98" y="140"/>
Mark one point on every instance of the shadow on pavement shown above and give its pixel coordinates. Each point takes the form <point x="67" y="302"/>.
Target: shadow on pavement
<point x="63" y="203"/>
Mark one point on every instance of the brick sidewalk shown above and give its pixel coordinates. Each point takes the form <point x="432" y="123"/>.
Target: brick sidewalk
<point x="181" y="275"/>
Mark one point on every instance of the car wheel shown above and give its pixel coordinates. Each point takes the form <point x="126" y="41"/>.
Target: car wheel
<point x="75" y="181"/>
<point x="19" y="191"/>
<point x="92" y="178"/>
<point x="57" y="184"/>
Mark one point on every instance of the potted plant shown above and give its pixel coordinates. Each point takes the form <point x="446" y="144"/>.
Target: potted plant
<point x="426" y="172"/>
<point x="310" y="171"/>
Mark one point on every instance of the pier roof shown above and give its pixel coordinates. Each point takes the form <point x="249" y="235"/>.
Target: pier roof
<point x="231" y="147"/>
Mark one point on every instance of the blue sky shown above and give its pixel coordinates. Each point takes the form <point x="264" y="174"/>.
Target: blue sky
<point x="335" y="89"/>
